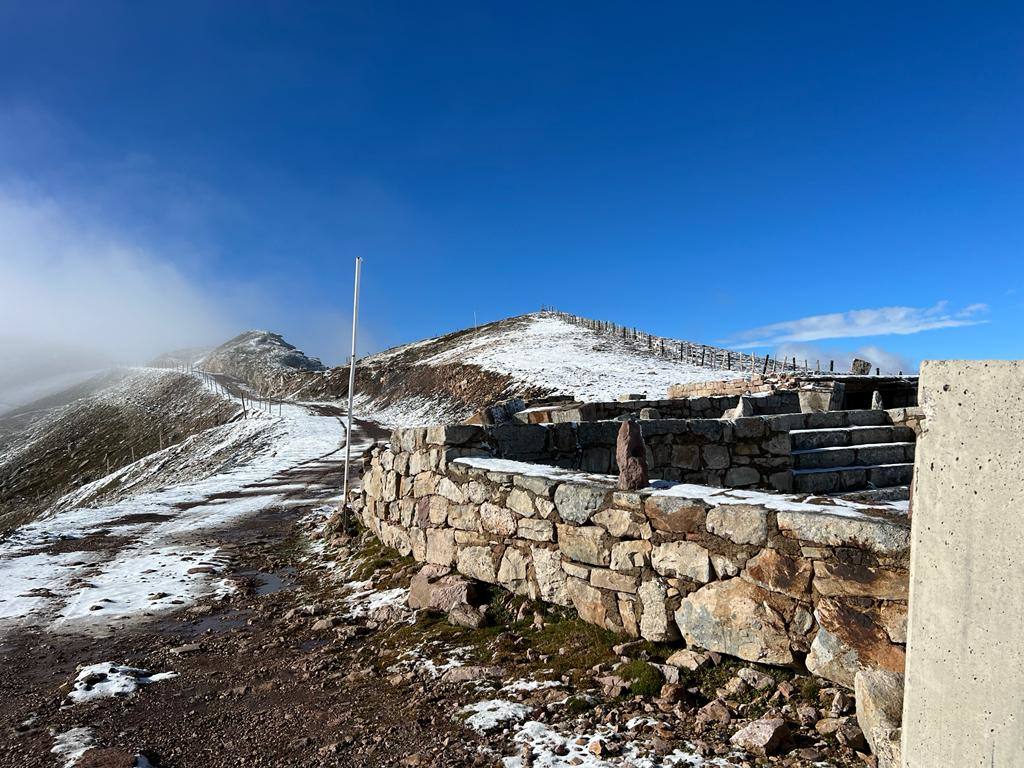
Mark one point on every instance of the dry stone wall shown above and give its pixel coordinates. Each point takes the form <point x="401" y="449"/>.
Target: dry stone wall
<point x="766" y="578"/>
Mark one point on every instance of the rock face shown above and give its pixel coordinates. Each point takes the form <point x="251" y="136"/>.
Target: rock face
<point x="762" y="737"/>
<point x="631" y="457"/>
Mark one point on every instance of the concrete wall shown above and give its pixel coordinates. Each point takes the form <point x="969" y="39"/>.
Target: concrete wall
<point x="964" y="700"/>
<point x="765" y="577"/>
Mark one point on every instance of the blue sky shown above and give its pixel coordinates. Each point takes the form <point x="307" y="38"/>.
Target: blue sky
<point x="816" y="178"/>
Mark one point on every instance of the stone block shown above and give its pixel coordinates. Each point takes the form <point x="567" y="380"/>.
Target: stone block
<point x="656" y="622"/>
<point x="684" y="559"/>
<point x="478" y="563"/>
<point x="497" y="520"/>
<point x="619" y="582"/>
<point x="776" y="572"/>
<point x="673" y="514"/>
<point x="850" y="638"/>
<point x="623" y="523"/>
<point x="737" y="477"/>
<point x="715" y="456"/>
<point x="551" y="579"/>
<point x="520" y="502"/>
<point x="852" y="580"/>
<point x="584" y="544"/>
<point x="739" y="523"/>
<point x="630" y="556"/>
<point x="594" y="605"/>
<point x="739" y="619"/>
<point x="465" y="517"/>
<point x="440" y="546"/>
<point x="576" y="502"/>
<point x="536" y="530"/>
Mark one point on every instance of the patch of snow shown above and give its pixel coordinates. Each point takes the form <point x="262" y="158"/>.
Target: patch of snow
<point x="488" y="714"/>
<point x="554" y="749"/>
<point x="517" y="686"/>
<point x="363" y="602"/>
<point x="70" y="745"/>
<point x="99" y="681"/>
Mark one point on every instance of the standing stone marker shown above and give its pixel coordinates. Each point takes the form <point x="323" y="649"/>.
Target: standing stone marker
<point x="631" y="457"/>
<point x="964" y="699"/>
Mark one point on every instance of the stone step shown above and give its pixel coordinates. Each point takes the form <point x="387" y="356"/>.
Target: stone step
<point x="854" y="455"/>
<point x="838" y="419"/>
<point x="810" y="439"/>
<point x="839" y="479"/>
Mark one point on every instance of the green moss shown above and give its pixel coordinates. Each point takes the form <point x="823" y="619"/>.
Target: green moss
<point x="644" y="678"/>
<point x="577" y="705"/>
<point x="809" y="689"/>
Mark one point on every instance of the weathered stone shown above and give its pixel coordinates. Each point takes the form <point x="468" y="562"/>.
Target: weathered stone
<point x="852" y="580"/>
<point x="440" y="547"/>
<point x="631" y="457"/>
<point x="739" y="523"/>
<point x="594" y="605"/>
<point x="686" y="456"/>
<point x="463" y="615"/>
<point x="682" y="558"/>
<point x="586" y="544"/>
<point x="762" y="737"/>
<point x="656" y="622"/>
<point x="537" y="484"/>
<point x="727" y="566"/>
<point x="630" y="556"/>
<point x="477" y="563"/>
<point x="627" y="500"/>
<point x="623" y="523"/>
<point x="545" y="508"/>
<point x="883" y="537"/>
<point x="477" y="492"/>
<point x="604" y="578"/>
<point x="536" y="530"/>
<point x="576" y="570"/>
<point x="576" y="502"/>
<point x="551" y="579"/>
<point x="470" y="539"/>
<point x="423" y="484"/>
<point x="465" y="517"/>
<point x="628" y="614"/>
<point x="739" y="619"/>
<point x="512" y="571"/>
<point x="451" y="491"/>
<point x="396" y="537"/>
<point x="520" y="501"/>
<point x="687" y="659"/>
<point x="438" y="589"/>
<point x="673" y="514"/>
<point x="756" y="679"/>
<point x="497" y="520"/>
<point x="775" y="572"/>
<point x="848" y="640"/>
<point x="879" y="697"/>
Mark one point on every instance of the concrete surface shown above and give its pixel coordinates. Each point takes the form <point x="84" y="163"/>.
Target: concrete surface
<point x="964" y="700"/>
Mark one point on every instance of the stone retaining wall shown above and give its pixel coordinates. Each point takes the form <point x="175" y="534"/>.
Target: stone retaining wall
<point x="767" y="578"/>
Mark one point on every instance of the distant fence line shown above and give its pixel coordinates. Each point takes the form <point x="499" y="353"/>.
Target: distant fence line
<point x="703" y="355"/>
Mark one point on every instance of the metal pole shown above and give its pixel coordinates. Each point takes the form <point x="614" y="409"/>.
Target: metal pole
<point x="351" y="393"/>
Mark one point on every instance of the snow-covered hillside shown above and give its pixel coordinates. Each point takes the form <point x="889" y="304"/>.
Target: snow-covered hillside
<point x="530" y="355"/>
<point x="260" y="358"/>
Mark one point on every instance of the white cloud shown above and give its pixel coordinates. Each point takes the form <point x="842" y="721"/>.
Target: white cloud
<point x="883" y="321"/>
<point x="888" y="362"/>
<point x="68" y="287"/>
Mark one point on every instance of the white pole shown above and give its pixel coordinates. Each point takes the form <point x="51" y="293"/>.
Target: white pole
<point x="351" y="391"/>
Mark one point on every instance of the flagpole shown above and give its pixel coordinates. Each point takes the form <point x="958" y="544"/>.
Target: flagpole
<point x="351" y="392"/>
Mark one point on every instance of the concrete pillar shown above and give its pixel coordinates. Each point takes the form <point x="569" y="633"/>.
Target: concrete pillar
<point x="964" y="699"/>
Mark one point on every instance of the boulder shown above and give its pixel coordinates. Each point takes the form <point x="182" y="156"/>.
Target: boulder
<point x="630" y="455"/>
<point x="547" y="566"/>
<point x="594" y="605"/>
<point x="478" y="563"/>
<point x="739" y="619"/>
<point x="860" y="367"/>
<point x="586" y="544"/>
<point x="687" y="659"/>
<point x="762" y="737"/>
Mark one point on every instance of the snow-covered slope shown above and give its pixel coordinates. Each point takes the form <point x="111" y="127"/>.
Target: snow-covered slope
<point x="532" y="355"/>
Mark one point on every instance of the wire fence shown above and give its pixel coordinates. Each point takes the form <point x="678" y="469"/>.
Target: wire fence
<point x="703" y="355"/>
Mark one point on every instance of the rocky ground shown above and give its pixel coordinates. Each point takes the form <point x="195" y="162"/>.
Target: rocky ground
<point x="316" y="660"/>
